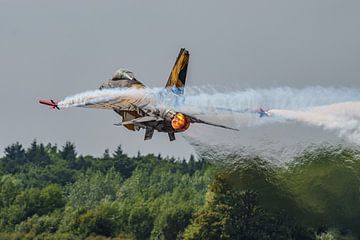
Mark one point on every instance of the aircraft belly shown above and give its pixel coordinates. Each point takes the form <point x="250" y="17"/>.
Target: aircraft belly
<point x="127" y="116"/>
<point x="131" y="127"/>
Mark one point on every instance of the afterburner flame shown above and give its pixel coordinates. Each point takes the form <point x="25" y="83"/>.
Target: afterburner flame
<point x="180" y="122"/>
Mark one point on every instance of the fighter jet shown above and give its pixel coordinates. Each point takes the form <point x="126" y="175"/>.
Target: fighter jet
<point x="138" y="115"/>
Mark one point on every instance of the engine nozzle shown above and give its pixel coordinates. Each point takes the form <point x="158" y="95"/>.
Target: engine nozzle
<point x="180" y="122"/>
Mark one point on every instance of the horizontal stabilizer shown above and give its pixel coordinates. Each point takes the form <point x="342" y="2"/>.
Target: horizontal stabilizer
<point x="197" y="120"/>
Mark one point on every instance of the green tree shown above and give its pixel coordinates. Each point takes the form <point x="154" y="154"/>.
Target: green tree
<point x="82" y="163"/>
<point x="51" y="198"/>
<point x="101" y="220"/>
<point x="41" y="224"/>
<point x="123" y="163"/>
<point x="37" y="154"/>
<point x="10" y="187"/>
<point x="106" y="154"/>
<point x="141" y="222"/>
<point x="88" y="191"/>
<point x="68" y="153"/>
<point x="172" y="223"/>
<point x="14" y="158"/>
<point x="232" y="214"/>
<point x="40" y="201"/>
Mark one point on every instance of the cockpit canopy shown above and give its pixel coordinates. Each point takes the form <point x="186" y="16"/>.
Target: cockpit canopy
<point x="122" y="78"/>
<point x="123" y="74"/>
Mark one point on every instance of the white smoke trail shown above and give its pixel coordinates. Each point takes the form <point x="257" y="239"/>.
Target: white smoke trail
<point x="341" y="117"/>
<point x="280" y="137"/>
<point x="280" y="98"/>
<point x="331" y="108"/>
<point x="207" y="97"/>
<point x="105" y="95"/>
<point x="237" y="107"/>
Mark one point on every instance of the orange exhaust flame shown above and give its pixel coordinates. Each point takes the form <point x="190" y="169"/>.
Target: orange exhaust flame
<point x="180" y="122"/>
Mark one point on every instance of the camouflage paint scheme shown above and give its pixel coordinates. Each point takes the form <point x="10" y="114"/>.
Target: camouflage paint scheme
<point x="140" y="111"/>
<point x="126" y="106"/>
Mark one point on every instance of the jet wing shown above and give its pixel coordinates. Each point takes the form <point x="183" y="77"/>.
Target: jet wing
<point x="197" y="120"/>
<point x="121" y="102"/>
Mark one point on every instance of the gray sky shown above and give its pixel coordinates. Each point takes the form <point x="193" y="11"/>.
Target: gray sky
<point x="54" y="49"/>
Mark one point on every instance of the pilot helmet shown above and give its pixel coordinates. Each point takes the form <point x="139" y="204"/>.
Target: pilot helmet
<point x="123" y="74"/>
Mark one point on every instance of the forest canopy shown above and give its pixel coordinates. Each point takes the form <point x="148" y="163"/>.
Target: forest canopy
<point x="48" y="192"/>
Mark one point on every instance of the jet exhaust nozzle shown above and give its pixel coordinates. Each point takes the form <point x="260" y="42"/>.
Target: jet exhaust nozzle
<point x="180" y="122"/>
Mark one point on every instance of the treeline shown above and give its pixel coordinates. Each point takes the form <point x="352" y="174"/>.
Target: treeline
<point x="51" y="193"/>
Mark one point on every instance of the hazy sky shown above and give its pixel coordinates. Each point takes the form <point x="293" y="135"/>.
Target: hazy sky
<point x="54" y="49"/>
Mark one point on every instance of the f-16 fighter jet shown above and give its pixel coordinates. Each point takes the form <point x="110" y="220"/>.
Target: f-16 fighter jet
<point x="138" y="115"/>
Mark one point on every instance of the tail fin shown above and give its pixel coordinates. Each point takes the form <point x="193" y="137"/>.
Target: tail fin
<point x="177" y="78"/>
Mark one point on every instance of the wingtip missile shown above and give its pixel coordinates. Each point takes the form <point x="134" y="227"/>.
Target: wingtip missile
<point x="263" y="113"/>
<point x="51" y="103"/>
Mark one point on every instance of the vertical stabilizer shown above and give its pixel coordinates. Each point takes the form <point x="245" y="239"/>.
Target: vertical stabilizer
<point x="177" y="78"/>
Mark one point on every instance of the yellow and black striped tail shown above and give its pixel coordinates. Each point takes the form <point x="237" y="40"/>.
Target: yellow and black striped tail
<point x="177" y="78"/>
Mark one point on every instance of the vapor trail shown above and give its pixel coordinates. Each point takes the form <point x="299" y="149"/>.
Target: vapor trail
<point x="330" y="108"/>
<point x="106" y="95"/>
<point x="341" y="117"/>
<point x="208" y="97"/>
<point x="279" y="98"/>
<point x="334" y="109"/>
